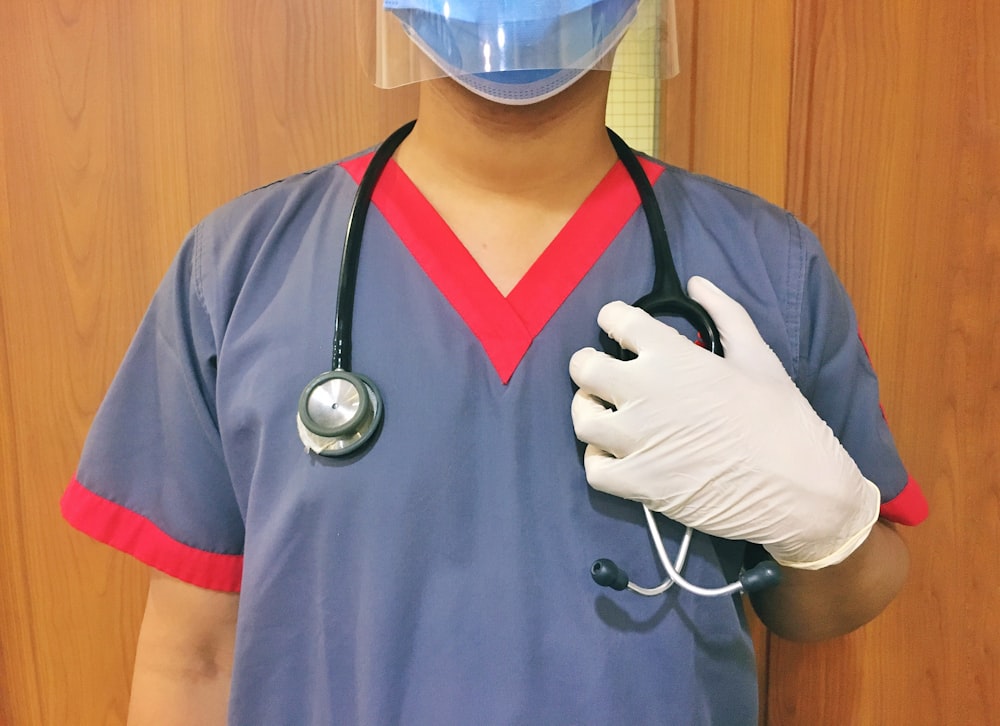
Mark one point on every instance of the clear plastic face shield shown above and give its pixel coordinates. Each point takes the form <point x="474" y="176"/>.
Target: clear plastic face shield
<point x="510" y="51"/>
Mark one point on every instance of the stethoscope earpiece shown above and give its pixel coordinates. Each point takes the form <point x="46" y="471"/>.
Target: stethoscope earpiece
<point x="760" y="577"/>
<point x="607" y="574"/>
<point x="338" y="413"/>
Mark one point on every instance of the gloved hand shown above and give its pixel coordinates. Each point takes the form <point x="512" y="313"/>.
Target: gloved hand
<point x="728" y="446"/>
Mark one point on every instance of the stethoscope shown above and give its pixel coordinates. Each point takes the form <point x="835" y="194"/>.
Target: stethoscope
<point x="340" y="411"/>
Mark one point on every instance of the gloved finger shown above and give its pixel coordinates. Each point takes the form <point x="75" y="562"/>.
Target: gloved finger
<point x="636" y="330"/>
<point x="732" y="319"/>
<point x="600" y="375"/>
<point x="599" y="466"/>
<point x="596" y="424"/>
<point x="608" y="474"/>
<point x="741" y="340"/>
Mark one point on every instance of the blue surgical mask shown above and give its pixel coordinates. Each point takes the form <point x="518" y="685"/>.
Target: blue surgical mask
<point x="515" y="52"/>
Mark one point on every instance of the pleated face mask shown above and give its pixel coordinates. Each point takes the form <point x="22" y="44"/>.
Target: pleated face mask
<point x="515" y="51"/>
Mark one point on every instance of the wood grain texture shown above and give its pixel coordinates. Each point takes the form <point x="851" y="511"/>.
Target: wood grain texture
<point x="891" y="152"/>
<point x="896" y="164"/>
<point x="122" y="124"/>
<point x="726" y="114"/>
<point x="56" y="177"/>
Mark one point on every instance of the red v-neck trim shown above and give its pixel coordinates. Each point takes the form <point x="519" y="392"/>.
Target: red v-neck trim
<point x="505" y="326"/>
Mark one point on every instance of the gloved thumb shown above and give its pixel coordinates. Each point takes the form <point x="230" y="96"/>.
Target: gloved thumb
<point x="740" y="338"/>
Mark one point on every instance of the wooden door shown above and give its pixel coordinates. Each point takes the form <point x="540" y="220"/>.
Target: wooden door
<point x="878" y="124"/>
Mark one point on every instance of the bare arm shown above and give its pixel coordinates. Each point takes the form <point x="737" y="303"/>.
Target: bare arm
<point x="184" y="657"/>
<point x="819" y="604"/>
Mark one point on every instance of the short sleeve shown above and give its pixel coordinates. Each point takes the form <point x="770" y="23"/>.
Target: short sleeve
<point x="836" y="375"/>
<point x="152" y="480"/>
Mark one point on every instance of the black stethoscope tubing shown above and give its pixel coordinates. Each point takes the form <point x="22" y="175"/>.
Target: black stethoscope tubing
<point x="344" y="315"/>
<point x="667" y="297"/>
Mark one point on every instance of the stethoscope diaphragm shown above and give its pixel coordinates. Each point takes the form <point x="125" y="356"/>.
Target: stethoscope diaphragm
<point x="338" y="412"/>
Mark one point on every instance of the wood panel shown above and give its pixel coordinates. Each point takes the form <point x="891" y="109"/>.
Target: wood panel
<point x="726" y="113"/>
<point x="891" y="152"/>
<point x="121" y="124"/>
<point x="896" y="163"/>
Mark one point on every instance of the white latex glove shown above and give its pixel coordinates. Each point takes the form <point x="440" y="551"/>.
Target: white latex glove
<point x="728" y="446"/>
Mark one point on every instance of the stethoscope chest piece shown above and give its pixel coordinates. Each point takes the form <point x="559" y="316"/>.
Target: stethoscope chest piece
<point x="338" y="413"/>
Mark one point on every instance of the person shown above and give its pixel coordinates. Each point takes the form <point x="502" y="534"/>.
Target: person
<point x="440" y="573"/>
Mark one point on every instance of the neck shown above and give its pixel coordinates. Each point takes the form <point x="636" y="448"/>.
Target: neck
<point x="525" y="169"/>
<point x="551" y="145"/>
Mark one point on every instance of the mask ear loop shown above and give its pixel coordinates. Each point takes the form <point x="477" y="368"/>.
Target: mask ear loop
<point x="339" y="411"/>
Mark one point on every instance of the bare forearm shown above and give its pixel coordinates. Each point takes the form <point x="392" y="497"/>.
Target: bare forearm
<point x="184" y="658"/>
<point x="178" y="696"/>
<point x="819" y="604"/>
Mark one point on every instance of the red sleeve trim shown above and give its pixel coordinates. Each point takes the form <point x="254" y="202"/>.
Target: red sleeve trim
<point x="133" y="534"/>
<point x="909" y="507"/>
